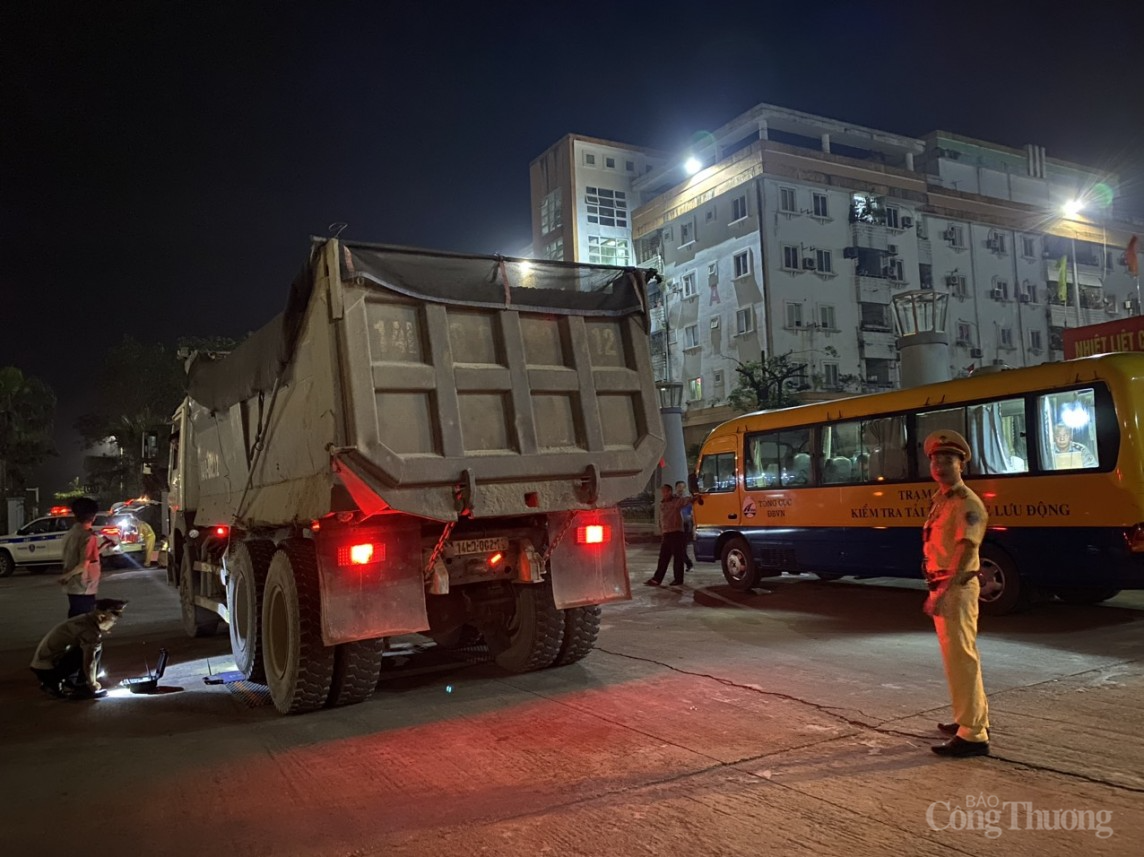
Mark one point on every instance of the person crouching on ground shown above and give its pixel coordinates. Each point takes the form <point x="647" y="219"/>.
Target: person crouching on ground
<point x="67" y="661"/>
<point x="80" y="559"/>
<point x="673" y="545"/>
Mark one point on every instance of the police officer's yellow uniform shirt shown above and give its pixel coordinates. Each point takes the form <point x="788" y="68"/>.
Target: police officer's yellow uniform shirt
<point x="956" y="515"/>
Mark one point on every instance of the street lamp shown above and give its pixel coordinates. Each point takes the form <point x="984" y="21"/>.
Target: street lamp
<point x="1070" y="210"/>
<point x="692" y="165"/>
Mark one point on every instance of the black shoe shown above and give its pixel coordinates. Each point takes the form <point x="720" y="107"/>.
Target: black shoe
<point x="52" y="690"/>
<point x="651" y="582"/>
<point x="677" y="583"/>
<point x="951" y="729"/>
<point x="689" y="566"/>
<point x="959" y="748"/>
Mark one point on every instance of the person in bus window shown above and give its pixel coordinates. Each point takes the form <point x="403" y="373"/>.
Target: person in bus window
<point x="1068" y="453"/>
<point x="951" y="539"/>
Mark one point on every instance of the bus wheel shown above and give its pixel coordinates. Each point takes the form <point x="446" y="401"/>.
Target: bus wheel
<point x="1092" y="595"/>
<point x="739" y="565"/>
<point x="1013" y="596"/>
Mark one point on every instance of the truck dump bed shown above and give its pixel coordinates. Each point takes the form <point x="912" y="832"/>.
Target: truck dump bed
<point x="431" y="383"/>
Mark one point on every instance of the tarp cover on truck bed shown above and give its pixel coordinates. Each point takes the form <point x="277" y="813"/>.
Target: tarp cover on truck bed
<point x="478" y="281"/>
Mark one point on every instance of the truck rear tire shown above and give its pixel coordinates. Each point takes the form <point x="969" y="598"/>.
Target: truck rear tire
<point x="534" y="631"/>
<point x="247" y="566"/>
<point x="581" y="628"/>
<point x="197" y="621"/>
<point x="357" y="668"/>
<point x="299" y="668"/>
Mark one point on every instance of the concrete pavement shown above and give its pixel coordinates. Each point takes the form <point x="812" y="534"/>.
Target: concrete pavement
<point x="793" y="720"/>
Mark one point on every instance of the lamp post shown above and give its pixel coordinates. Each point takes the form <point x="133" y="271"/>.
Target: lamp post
<point x="671" y="411"/>
<point x="1070" y="210"/>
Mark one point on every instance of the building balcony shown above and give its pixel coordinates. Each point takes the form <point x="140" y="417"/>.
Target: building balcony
<point x="873" y="290"/>
<point x="1066" y="316"/>
<point x="872" y="235"/>
<point x="878" y="345"/>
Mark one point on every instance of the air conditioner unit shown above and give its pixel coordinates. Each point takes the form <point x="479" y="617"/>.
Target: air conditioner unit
<point x="892" y="249"/>
<point x="808" y="264"/>
<point x="949" y="234"/>
<point x="951" y="282"/>
<point x="992" y="243"/>
<point x="715" y="322"/>
<point x="1024" y="299"/>
<point x="974" y="352"/>
<point x="849" y="252"/>
<point x="997" y="294"/>
<point x="907" y="222"/>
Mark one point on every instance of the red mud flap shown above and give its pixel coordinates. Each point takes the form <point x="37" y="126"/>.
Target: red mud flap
<point x="589" y="564"/>
<point x="371" y="580"/>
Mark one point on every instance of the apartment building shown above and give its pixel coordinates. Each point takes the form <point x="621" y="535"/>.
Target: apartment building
<point x="796" y="231"/>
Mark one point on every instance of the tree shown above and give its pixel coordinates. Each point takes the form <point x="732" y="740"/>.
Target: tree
<point x="138" y="387"/>
<point x="27" y="417"/>
<point x="766" y="384"/>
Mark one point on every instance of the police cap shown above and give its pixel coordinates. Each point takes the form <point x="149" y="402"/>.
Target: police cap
<point x="947" y="441"/>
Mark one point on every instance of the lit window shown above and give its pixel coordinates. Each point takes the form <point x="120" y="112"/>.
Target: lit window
<point x="608" y="251"/>
<point x="695" y="389"/>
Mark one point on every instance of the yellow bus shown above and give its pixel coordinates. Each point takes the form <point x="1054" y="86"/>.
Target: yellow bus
<point x="842" y="488"/>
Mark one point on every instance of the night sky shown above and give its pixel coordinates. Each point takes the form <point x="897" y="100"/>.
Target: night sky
<point x="163" y="163"/>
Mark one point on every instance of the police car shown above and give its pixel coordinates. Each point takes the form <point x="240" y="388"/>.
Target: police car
<point x="39" y="544"/>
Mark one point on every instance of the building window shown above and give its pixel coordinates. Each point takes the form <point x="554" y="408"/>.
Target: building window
<point x="824" y="262"/>
<point x="996" y="242"/>
<point x="787" y="200"/>
<point x="1035" y="340"/>
<point x="712" y="273"/>
<point x="589" y="159"/>
<point x="630" y="166"/>
<point x="688" y="281"/>
<point x="964" y="333"/>
<point x="744" y="321"/>
<point x="955" y="235"/>
<point x="606" y="207"/>
<point x="695" y="389"/>
<point x="826" y="317"/>
<point x="820" y="207"/>
<point x="1000" y="290"/>
<point x="742" y="264"/>
<point x="830" y="375"/>
<point x="551" y="211"/>
<point x="610" y="163"/>
<point x="739" y="207"/>
<point x="686" y="234"/>
<point x="790" y="257"/>
<point x="793" y="314"/>
<point x="956" y="285"/>
<point x="1031" y="293"/>
<point x="608" y="251"/>
<point x="1006" y="337"/>
<point x="691" y="336"/>
<point x="1028" y="247"/>
<point x="554" y="250"/>
<point x="893" y="217"/>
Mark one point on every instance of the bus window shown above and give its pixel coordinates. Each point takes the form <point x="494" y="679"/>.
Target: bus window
<point x="1066" y="426"/>
<point x="778" y="459"/>
<point x="717" y="473"/>
<point x="885" y="440"/>
<point x="995" y="432"/>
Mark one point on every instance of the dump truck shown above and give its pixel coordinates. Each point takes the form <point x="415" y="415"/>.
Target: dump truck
<point x="420" y="442"/>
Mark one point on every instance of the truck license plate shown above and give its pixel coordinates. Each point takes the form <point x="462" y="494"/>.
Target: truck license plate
<point x="479" y="545"/>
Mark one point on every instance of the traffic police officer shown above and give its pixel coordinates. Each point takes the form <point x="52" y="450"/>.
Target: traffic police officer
<point x="952" y="537"/>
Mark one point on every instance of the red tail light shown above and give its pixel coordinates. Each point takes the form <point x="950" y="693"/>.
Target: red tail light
<point x="221" y="532"/>
<point x="362" y="554"/>
<point x="109" y="531"/>
<point x="593" y="534"/>
<point x="1135" y="538"/>
<point x="496" y="558"/>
